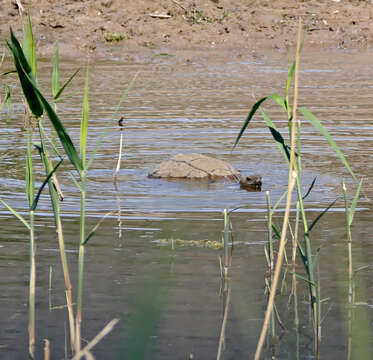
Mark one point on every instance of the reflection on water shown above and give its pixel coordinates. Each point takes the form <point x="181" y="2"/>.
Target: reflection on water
<point x="198" y="108"/>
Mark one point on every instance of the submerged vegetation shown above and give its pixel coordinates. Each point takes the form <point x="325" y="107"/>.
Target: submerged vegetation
<point x="295" y="236"/>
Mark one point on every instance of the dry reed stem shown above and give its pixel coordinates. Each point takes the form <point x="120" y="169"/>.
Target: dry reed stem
<point x="223" y="325"/>
<point x="86" y="350"/>
<point x="20" y="7"/>
<point x="47" y="352"/>
<point x="65" y="269"/>
<point x="57" y="186"/>
<point x="291" y="182"/>
<point x="70" y="310"/>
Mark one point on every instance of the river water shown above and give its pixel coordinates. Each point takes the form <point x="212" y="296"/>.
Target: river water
<point x="169" y="300"/>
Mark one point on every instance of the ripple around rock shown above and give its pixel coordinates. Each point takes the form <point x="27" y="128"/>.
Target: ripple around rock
<point x="194" y="166"/>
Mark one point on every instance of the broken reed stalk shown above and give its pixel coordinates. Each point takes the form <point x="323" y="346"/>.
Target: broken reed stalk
<point x="117" y="169"/>
<point x="47" y="351"/>
<point x="106" y="330"/>
<point x="291" y="182"/>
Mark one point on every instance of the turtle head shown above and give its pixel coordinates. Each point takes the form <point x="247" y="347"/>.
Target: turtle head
<point x="251" y="183"/>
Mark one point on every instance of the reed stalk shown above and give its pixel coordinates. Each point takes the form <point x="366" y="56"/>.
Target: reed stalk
<point x="295" y="247"/>
<point x="308" y="261"/>
<point x="350" y="272"/>
<point x="291" y="182"/>
<point x="294" y="282"/>
<point x="226" y="239"/>
<point x="224" y="270"/>
<point x="32" y="282"/>
<point x="54" y="197"/>
<point x="349" y="242"/>
<point x="47" y="351"/>
<point x="30" y="189"/>
<point x="349" y="213"/>
<point x="80" y="267"/>
<point x="270" y="256"/>
<point x="82" y="241"/>
<point x="224" y="325"/>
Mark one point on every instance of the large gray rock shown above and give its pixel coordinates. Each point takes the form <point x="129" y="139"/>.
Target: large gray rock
<point x="194" y="166"/>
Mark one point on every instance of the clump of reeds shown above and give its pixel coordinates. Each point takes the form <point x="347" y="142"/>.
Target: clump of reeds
<point x="293" y="156"/>
<point x="38" y="106"/>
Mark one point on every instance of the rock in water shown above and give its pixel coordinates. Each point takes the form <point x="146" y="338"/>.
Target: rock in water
<point x="194" y="166"/>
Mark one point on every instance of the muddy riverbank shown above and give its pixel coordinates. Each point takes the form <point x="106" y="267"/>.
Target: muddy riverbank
<point x="108" y="28"/>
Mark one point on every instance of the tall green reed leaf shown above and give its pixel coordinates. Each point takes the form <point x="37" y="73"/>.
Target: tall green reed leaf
<point x="95" y="228"/>
<point x="76" y="181"/>
<point x="56" y="90"/>
<point x="16" y="214"/>
<point x="84" y="123"/>
<point x="314" y="222"/>
<point x="310" y="188"/>
<point x="8" y="101"/>
<point x="29" y="47"/>
<point x="354" y="202"/>
<point x="254" y="109"/>
<point x="62" y="133"/>
<point x="63" y="87"/>
<point x="45" y="182"/>
<point x="37" y="102"/>
<point x="319" y="127"/>
<point x="278" y="138"/>
<point x="56" y="72"/>
<point x="270" y="124"/>
<point x="25" y="75"/>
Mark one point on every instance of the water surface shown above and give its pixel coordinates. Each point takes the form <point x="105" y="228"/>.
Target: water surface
<point x="174" y="295"/>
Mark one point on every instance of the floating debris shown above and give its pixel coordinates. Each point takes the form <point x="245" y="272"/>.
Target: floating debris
<point x="216" y="245"/>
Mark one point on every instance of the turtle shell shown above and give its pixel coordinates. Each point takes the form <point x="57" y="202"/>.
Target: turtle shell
<point x="194" y="166"/>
